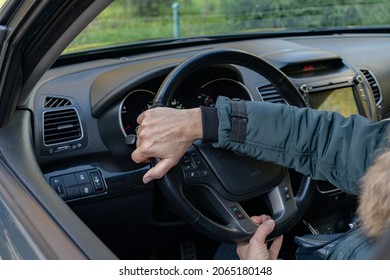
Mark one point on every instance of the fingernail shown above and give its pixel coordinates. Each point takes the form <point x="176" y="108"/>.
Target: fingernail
<point x="270" y="221"/>
<point x="147" y="180"/>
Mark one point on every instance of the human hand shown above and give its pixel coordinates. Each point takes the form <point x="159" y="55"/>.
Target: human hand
<point x="166" y="134"/>
<point x="257" y="249"/>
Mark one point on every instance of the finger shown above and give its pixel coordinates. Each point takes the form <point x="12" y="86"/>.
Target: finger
<point x="140" y="118"/>
<point x="275" y="247"/>
<point x="264" y="230"/>
<point x="137" y="156"/>
<point x="159" y="170"/>
<point x="260" y="219"/>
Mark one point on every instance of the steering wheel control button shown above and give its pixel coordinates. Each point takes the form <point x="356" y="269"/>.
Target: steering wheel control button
<point x="189" y="166"/>
<point x="197" y="173"/>
<point x="204" y="173"/>
<point x="199" y="162"/>
<point x="237" y="212"/>
<point x="286" y="193"/>
<point x="193" y="165"/>
<point x="192" y="174"/>
<point x="186" y="159"/>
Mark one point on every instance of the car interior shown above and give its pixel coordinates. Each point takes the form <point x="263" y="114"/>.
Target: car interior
<point x="73" y="146"/>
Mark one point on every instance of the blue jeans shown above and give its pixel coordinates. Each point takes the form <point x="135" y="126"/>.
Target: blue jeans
<point x="347" y="245"/>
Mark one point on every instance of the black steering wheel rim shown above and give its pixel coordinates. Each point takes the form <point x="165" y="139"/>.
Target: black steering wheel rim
<point x="173" y="182"/>
<point x="227" y="56"/>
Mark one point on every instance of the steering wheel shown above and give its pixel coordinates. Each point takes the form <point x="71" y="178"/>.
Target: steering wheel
<point x="221" y="178"/>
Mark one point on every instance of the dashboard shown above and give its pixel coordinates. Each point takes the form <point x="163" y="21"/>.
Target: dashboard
<point x="116" y="91"/>
<point x="83" y="112"/>
<point x="87" y="110"/>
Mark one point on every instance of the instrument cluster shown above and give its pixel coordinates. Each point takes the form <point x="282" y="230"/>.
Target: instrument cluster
<point x="206" y="95"/>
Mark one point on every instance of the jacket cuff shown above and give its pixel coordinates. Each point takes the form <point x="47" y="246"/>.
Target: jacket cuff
<point x="210" y="123"/>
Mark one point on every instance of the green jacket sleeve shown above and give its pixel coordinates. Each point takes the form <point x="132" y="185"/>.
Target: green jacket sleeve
<point x="323" y="145"/>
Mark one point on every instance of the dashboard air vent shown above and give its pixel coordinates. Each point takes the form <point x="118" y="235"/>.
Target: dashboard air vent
<point x="61" y="126"/>
<point x="55" y="102"/>
<point x="270" y="94"/>
<point x="374" y="86"/>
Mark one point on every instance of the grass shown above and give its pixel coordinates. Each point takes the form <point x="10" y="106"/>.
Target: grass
<point x="118" y="24"/>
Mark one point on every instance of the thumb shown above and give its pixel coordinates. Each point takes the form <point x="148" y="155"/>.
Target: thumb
<point x="264" y="230"/>
<point x="159" y="170"/>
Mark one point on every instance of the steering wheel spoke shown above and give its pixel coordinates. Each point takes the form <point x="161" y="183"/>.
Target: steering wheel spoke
<point x="231" y="213"/>
<point x="282" y="202"/>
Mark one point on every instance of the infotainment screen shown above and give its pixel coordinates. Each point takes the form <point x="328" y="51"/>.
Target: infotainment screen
<point x="340" y="100"/>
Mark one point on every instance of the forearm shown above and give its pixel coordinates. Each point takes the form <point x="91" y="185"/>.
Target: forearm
<point x="323" y="145"/>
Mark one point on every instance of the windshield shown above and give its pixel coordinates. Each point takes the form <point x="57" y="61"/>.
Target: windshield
<point x="137" y="21"/>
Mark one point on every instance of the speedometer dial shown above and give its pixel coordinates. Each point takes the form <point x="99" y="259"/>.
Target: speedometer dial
<point x="206" y="100"/>
<point x="132" y="106"/>
<point x="210" y="91"/>
<point x="174" y="103"/>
